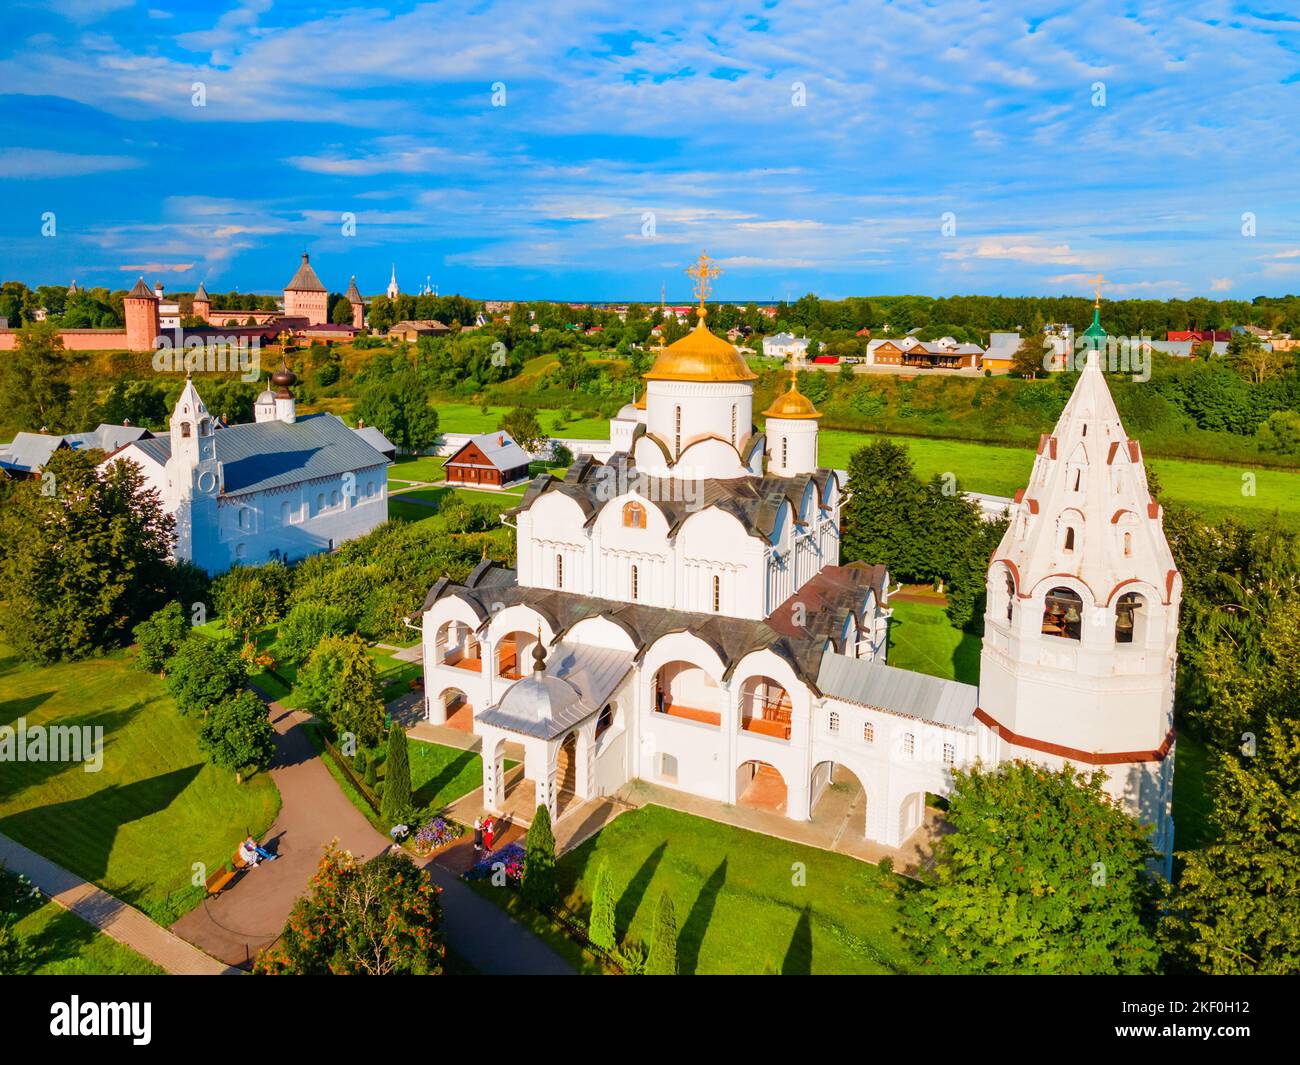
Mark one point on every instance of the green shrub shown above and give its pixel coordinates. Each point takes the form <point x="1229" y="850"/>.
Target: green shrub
<point x="538" y="884"/>
<point x="160" y="636"/>
<point x="662" y="960"/>
<point x="306" y="625"/>
<point x="397" y="779"/>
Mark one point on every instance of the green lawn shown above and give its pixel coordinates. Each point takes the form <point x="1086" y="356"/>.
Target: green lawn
<point x="739" y="909"/>
<point x="467" y="418"/>
<point x="65" y="945"/>
<point x="1213" y="488"/>
<point x="1193" y="801"/>
<point x="921" y="638"/>
<point x="137" y="827"/>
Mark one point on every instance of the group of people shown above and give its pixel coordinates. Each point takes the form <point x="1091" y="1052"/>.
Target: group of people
<point x="484" y="829"/>
<point x="253" y="852"/>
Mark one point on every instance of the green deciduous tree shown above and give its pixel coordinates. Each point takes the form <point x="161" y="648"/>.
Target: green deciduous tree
<point x="883" y="517"/>
<point x="34" y="389"/>
<point x="397" y="404"/>
<point x="306" y="625"/>
<point x="341" y="685"/>
<point x="524" y="428"/>
<point x="397" y="778"/>
<point x="83" y="558"/>
<point x="538" y="884"/>
<point x="203" y="673"/>
<point x="1236" y="910"/>
<point x="376" y="918"/>
<point x="238" y="734"/>
<point x="1042" y="873"/>
<point x="160" y="636"/>
<point x="662" y="959"/>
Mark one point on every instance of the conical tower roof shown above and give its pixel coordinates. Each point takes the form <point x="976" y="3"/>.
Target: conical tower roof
<point x="1087" y="513"/>
<point x="353" y="296"/>
<point x="200" y="293"/>
<point x="141" y="291"/>
<point x="305" y="280"/>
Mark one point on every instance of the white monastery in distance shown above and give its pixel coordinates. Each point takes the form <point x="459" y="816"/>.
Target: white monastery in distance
<point x="678" y="614"/>
<point x="279" y="487"/>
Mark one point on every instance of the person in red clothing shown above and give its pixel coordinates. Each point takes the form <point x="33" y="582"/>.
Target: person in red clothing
<point x="489" y="827"/>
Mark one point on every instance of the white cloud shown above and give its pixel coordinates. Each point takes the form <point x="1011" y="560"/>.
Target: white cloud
<point x="27" y="163"/>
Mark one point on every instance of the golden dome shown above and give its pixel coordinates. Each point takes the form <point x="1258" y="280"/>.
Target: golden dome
<point x="792" y="404"/>
<point x="700" y="356"/>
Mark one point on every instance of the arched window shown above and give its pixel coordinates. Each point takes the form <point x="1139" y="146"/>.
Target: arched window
<point x="559" y="570"/>
<point x="633" y="516"/>
<point x="1062" y="613"/>
<point x="1069" y="538"/>
<point x="868" y="733"/>
<point x="909" y="744"/>
<point x="636" y="584"/>
<point x="717" y="594"/>
<point x="833" y="722"/>
<point x="245" y="518"/>
<point x="185" y="430"/>
<point x="1011" y="596"/>
<point x="1128" y="544"/>
<point x="785" y="451"/>
<point x="1078" y="479"/>
<point x="320" y="502"/>
<point x="1126" y="609"/>
<point x="677" y="430"/>
<point x="733" y="425"/>
<point x="605" y="721"/>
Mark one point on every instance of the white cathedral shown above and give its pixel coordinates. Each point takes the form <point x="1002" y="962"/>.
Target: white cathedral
<point x="678" y="614"/>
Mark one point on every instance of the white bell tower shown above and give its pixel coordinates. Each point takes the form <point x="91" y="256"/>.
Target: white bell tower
<point x="194" y="476"/>
<point x="1081" y="627"/>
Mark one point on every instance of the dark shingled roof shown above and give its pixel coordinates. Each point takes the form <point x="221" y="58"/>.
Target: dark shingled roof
<point x="141" y="291"/>
<point x="754" y="501"/>
<point x="200" y="293"/>
<point x="305" y="280"/>
<point x="261" y="455"/>
<point x="837" y="590"/>
<point x="353" y="296"/>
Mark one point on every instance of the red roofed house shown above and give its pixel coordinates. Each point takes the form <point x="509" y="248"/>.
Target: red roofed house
<point x="490" y="460"/>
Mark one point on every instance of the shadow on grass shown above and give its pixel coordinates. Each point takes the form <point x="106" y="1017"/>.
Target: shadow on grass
<point x="697" y="921"/>
<point x="431" y="789"/>
<point x="798" y="955"/>
<point x="633" y="895"/>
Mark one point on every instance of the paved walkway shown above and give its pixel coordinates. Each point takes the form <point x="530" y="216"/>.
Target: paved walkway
<point x="250" y="914"/>
<point x="110" y="915"/>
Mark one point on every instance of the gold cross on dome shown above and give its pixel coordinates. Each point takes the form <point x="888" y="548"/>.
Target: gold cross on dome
<point x="1096" y="282"/>
<point x="703" y="271"/>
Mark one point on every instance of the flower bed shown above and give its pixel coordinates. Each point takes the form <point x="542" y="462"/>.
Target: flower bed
<point x="511" y="857"/>
<point x="436" y="834"/>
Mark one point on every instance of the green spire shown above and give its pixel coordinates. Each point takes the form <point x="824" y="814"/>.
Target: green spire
<point x="1095" y="330"/>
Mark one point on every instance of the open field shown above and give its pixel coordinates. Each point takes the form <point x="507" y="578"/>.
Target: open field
<point x="156" y="807"/>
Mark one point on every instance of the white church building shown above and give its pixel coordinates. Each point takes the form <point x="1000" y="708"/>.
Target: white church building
<point x="678" y="614"/>
<point x="281" y="487"/>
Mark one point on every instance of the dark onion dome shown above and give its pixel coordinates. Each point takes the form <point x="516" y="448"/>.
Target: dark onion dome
<point x="283" y="379"/>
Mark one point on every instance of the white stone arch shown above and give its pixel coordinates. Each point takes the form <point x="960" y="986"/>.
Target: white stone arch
<point x="1125" y="526"/>
<point x="764" y="664"/>
<point x="597" y="631"/>
<point x="872" y="791"/>
<point x="1039" y="602"/>
<point x="1150" y="619"/>
<point x="1002" y="591"/>
<point x="756" y="788"/>
<point x="517" y="618"/>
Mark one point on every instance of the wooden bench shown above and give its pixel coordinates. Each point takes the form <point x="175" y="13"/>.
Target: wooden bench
<point x="223" y="877"/>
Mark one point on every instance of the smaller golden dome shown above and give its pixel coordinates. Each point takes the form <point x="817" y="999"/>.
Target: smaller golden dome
<point x="792" y="404"/>
<point x="640" y="402"/>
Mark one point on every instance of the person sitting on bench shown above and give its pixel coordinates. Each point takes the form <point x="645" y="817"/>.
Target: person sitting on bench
<point x="253" y="852"/>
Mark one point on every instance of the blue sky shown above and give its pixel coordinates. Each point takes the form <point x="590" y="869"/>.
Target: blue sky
<point x="688" y="113"/>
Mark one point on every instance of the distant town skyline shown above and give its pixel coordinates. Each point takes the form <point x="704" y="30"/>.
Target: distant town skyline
<point x="585" y="152"/>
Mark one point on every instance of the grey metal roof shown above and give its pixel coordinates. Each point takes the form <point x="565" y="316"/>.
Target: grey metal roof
<point x="899" y="691"/>
<point x="375" y="439"/>
<point x="29" y="452"/>
<point x="499" y="449"/>
<point x="577" y="681"/>
<point x="261" y="455"/>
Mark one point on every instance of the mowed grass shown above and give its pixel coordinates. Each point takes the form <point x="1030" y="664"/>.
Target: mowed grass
<point x="1214" y="489"/>
<point x="62" y="944"/>
<point x="922" y="639"/>
<point x="467" y="418"/>
<point x="739" y="906"/>
<point x="1193" y="798"/>
<point x="138" y="826"/>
